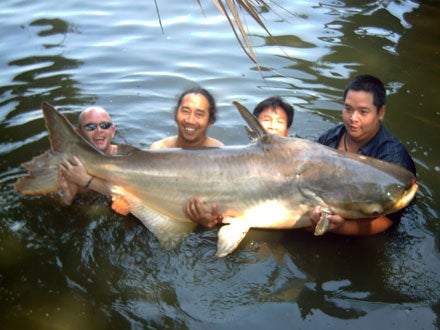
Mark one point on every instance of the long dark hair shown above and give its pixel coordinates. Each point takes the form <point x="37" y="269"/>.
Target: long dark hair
<point x="205" y="93"/>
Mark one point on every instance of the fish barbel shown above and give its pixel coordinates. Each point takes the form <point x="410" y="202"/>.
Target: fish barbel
<point x="273" y="182"/>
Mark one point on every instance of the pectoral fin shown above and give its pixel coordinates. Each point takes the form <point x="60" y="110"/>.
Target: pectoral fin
<point x="323" y="224"/>
<point x="169" y="232"/>
<point x="230" y="236"/>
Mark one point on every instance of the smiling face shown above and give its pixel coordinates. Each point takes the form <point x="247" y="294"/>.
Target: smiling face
<point x="192" y="118"/>
<point x="360" y="116"/>
<point x="99" y="137"/>
<point x="274" y="120"/>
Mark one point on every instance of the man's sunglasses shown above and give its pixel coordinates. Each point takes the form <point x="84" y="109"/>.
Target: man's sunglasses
<point x="93" y="126"/>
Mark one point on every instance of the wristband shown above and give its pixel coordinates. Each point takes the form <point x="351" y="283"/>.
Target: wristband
<point x="89" y="182"/>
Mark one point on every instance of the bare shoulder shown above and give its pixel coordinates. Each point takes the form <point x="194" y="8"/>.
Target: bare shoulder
<point x="211" y="142"/>
<point x="169" y="142"/>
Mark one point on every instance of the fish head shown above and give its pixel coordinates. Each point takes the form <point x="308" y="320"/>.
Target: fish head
<point x="373" y="200"/>
<point x="400" y="196"/>
<point x="358" y="187"/>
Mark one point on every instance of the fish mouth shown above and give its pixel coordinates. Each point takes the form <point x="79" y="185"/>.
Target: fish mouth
<point x="375" y="209"/>
<point x="406" y="198"/>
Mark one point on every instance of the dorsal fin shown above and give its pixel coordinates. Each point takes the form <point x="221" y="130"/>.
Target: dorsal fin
<point x="254" y="129"/>
<point x="62" y="134"/>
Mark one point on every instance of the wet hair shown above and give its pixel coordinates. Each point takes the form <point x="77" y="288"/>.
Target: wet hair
<point x="274" y="102"/>
<point x="369" y="84"/>
<point x="205" y="93"/>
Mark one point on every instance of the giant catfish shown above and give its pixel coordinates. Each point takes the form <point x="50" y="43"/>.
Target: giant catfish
<point x="273" y="182"/>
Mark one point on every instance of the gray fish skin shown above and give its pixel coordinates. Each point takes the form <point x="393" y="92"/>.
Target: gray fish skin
<point x="274" y="182"/>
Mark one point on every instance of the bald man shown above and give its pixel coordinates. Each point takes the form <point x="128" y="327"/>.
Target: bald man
<point x="95" y="125"/>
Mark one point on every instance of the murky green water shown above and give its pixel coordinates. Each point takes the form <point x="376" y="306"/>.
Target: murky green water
<point x="85" y="267"/>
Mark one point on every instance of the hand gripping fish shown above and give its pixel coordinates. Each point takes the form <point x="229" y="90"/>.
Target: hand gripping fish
<point x="273" y="182"/>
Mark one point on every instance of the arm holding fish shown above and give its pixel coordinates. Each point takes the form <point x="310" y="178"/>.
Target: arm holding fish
<point x="74" y="178"/>
<point x="203" y="215"/>
<point x="73" y="173"/>
<point x="69" y="189"/>
<point x="352" y="227"/>
<point x="198" y="212"/>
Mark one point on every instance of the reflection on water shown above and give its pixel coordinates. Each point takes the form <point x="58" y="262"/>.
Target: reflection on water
<point x="86" y="267"/>
<point x="36" y="78"/>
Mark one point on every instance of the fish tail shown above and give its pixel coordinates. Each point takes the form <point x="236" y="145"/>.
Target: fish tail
<point x="42" y="175"/>
<point x="65" y="142"/>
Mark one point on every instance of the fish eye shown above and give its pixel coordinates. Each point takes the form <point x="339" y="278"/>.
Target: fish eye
<point x="394" y="190"/>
